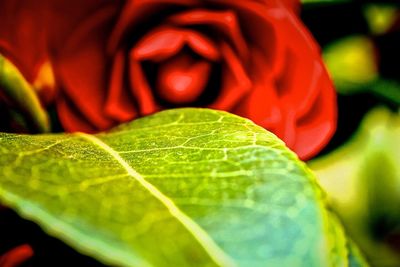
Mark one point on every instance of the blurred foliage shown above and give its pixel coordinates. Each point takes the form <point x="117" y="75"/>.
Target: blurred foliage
<point x="360" y="169"/>
<point x="19" y="101"/>
<point x="351" y="62"/>
<point x="362" y="61"/>
<point x="359" y="40"/>
<point x="362" y="181"/>
<point x="380" y="17"/>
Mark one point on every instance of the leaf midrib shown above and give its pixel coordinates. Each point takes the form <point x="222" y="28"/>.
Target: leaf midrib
<point x="212" y="249"/>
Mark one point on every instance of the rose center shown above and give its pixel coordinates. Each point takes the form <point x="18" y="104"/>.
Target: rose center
<point x="182" y="79"/>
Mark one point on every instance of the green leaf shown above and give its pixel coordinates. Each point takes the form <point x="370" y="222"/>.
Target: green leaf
<point x="388" y="90"/>
<point x="356" y="259"/>
<point x="380" y="17"/>
<point x="362" y="180"/>
<point x="21" y="94"/>
<point x="185" y="187"/>
<point x="352" y="64"/>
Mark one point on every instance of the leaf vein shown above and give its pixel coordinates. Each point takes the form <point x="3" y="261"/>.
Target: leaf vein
<point x="214" y="251"/>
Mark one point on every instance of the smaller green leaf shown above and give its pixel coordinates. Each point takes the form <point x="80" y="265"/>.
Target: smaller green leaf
<point x="21" y="94"/>
<point x="351" y="62"/>
<point x="353" y="66"/>
<point x="380" y="16"/>
<point x="362" y="180"/>
<point x="386" y="89"/>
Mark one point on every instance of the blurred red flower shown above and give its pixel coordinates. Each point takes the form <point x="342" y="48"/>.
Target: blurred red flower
<point x="117" y="60"/>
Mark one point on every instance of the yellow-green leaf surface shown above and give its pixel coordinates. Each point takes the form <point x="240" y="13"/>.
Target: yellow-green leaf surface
<point x="356" y="258"/>
<point x="185" y="187"/>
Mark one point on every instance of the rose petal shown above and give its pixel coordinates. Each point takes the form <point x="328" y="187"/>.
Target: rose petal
<point x="65" y="16"/>
<point x="81" y="67"/>
<point x="159" y="44"/>
<point x="140" y="88"/>
<point x="296" y="66"/>
<point x="135" y="12"/>
<point x="165" y="42"/>
<point x="315" y="129"/>
<point x="223" y="21"/>
<point x="16" y="256"/>
<point x="22" y="24"/>
<point x="303" y="67"/>
<point x="306" y="86"/>
<point x="28" y="28"/>
<point x="235" y="82"/>
<point x="202" y="45"/>
<point x="119" y="105"/>
<point x="182" y="79"/>
<point x="72" y="120"/>
<point x="297" y="85"/>
<point x="306" y="135"/>
<point x="293" y="5"/>
<point x="262" y="104"/>
<point x="262" y="17"/>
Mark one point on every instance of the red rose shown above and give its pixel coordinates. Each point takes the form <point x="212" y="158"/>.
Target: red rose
<point x="26" y="29"/>
<point x="124" y="59"/>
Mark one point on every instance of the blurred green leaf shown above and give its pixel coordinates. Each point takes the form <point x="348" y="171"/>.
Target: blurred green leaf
<point x="351" y="62"/>
<point x="386" y="89"/>
<point x="185" y="187"/>
<point x="380" y="17"/>
<point x="22" y="97"/>
<point x="362" y="180"/>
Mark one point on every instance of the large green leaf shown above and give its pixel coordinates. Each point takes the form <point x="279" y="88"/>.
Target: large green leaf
<point x="186" y="187"/>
